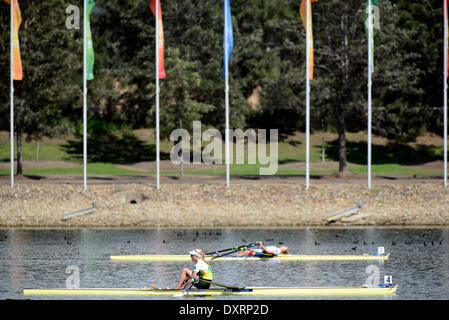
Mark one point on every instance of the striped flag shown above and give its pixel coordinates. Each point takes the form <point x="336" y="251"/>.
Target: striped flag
<point x="160" y="36"/>
<point x="369" y="28"/>
<point x="17" y="21"/>
<point x="90" y="48"/>
<point x="229" y="33"/>
<point x="302" y="13"/>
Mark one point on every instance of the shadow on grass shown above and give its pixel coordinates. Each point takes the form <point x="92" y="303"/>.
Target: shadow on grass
<point x="382" y="154"/>
<point x="110" y="148"/>
<point x="294" y="143"/>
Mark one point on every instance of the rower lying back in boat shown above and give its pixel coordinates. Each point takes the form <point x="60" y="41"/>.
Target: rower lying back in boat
<point x="201" y="271"/>
<point x="263" y="252"/>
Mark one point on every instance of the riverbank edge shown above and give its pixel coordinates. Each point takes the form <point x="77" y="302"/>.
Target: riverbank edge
<point x="212" y="206"/>
<point x="303" y="227"/>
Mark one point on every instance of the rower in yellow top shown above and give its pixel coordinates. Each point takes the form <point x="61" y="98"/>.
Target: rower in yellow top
<point x="202" y="270"/>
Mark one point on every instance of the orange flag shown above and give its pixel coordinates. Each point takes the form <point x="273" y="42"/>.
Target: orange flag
<point x="17" y="20"/>
<point x="160" y="36"/>
<point x="302" y="13"/>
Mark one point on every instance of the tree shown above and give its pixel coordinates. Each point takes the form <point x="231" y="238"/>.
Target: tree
<point x="50" y="55"/>
<point x="341" y="61"/>
<point x="178" y="96"/>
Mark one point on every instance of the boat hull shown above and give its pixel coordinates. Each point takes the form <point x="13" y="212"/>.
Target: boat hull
<point x="265" y="291"/>
<point x="291" y="257"/>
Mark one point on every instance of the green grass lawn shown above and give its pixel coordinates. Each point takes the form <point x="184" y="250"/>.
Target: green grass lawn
<point x="92" y="168"/>
<point x="47" y="152"/>
<point x="393" y="169"/>
<point x="384" y="169"/>
<point x="110" y="169"/>
<point x="107" y="152"/>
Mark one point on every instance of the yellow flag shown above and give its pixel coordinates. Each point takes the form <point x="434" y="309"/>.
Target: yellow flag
<point x="17" y="20"/>
<point x="302" y="13"/>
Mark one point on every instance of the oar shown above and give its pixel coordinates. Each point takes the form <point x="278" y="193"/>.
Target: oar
<point x="221" y="285"/>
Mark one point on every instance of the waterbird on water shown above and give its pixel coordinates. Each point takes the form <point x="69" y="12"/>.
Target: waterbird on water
<point x="317" y="243"/>
<point x="354" y="248"/>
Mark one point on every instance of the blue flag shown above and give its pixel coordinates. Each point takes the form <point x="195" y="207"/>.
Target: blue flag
<point x="227" y="7"/>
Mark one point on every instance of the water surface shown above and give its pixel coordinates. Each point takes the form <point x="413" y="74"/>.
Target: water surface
<point x="39" y="259"/>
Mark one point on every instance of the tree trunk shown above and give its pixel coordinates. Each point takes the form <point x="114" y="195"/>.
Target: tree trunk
<point x="343" y="169"/>
<point x="37" y="150"/>
<point x="181" y="156"/>
<point x="323" y="143"/>
<point x="19" y="150"/>
<point x="323" y="155"/>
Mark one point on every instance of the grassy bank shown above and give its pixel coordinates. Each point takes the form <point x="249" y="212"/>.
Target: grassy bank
<point x="117" y="154"/>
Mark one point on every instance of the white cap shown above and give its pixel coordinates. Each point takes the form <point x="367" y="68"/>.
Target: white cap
<point x="195" y="253"/>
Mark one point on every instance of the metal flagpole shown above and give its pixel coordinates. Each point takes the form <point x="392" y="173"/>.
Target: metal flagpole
<point x="157" y="96"/>
<point x="445" y="92"/>
<point x="85" y="97"/>
<point x="12" y="92"/>
<point x="370" y="27"/>
<point x="307" y="93"/>
<point x="227" y="95"/>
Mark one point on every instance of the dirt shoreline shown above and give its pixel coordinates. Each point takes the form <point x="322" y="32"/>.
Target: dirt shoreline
<point x="208" y="205"/>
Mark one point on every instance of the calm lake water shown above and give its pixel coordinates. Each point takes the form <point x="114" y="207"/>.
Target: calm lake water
<point x="39" y="259"/>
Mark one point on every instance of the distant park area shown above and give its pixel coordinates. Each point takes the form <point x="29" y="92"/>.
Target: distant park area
<point x="132" y="152"/>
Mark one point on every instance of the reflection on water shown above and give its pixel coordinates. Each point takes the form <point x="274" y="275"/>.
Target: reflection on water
<point x="419" y="260"/>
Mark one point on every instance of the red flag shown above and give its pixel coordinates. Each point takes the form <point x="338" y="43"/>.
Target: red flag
<point x="160" y="36"/>
<point x="446" y="40"/>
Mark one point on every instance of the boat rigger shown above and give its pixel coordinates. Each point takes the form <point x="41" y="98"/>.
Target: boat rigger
<point x="290" y="257"/>
<point x="263" y="291"/>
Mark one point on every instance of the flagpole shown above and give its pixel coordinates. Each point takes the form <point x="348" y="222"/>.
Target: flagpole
<point x="307" y="93"/>
<point x="445" y="92"/>
<point x="157" y="97"/>
<point x="85" y="98"/>
<point x="369" y="92"/>
<point x="12" y="92"/>
<point x="227" y="95"/>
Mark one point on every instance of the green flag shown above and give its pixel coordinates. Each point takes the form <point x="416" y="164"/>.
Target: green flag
<point x="370" y="33"/>
<point x="90" y="48"/>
